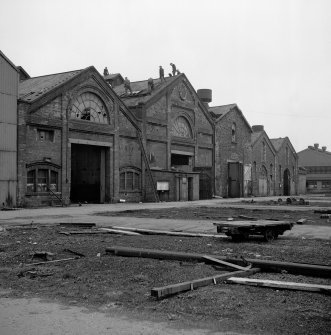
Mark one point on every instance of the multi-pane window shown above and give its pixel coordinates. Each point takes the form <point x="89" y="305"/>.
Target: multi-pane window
<point x="40" y="180"/>
<point x="129" y="181"/>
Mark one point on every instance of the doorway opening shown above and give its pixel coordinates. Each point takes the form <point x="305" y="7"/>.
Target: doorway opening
<point x="287" y="182"/>
<point x="235" y="178"/>
<point x="87" y="173"/>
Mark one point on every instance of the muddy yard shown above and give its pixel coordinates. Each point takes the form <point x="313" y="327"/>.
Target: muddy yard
<point x="112" y="283"/>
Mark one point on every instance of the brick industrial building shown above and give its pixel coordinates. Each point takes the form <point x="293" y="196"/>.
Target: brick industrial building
<point x="233" y="152"/>
<point x="84" y="137"/>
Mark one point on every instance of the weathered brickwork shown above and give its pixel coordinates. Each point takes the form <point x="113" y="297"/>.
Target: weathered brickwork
<point x="50" y="135"/>
<point x="286" y="167"/>
<point x="234" y="148"/>
<point x="263" y="165"/>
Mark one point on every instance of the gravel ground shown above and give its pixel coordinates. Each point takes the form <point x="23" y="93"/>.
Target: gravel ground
<point x="217" y="213"/>
<point x="111" y="283"/>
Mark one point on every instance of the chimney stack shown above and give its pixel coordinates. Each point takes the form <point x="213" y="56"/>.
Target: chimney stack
<point x="323" y="148"/>
<point x="257" y="128"/>
<point x="316" y="146"/>
<point x="205" y="95"/>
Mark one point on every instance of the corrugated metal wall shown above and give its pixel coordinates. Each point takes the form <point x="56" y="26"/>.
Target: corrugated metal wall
<point x="8" y="133"/>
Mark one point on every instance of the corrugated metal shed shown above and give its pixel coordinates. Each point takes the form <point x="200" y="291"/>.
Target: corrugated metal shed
<point x="9" y="78"/>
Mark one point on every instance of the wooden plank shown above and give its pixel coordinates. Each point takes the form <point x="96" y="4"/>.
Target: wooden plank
<point x="265" y="265"/>
<point x="281" y="285"/>
<point x="224" y="263"/>
<point x="50" y="262"/>
<point x="120" y="231"/>
<point x="167" y="233"/>
<point x="165" y="291"/>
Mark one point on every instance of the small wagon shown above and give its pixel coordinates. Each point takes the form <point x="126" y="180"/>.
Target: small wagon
<point x="240" y="230"/>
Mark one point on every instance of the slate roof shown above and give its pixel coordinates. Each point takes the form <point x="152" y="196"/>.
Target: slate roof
<point x="277" y="142"/>
<point x="33" y="88"/>
<point x="219" y="111"/>
<point x="112" y="76"/>
<point x="314" y="157"/>
<point x="140" y="93"/>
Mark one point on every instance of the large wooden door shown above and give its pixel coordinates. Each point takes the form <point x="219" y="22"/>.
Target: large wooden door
<point x="235" y="179"/>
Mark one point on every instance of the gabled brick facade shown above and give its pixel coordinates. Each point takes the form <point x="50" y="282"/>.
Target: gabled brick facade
<point x="232" y="152"/>
<point x="71" y="128"/>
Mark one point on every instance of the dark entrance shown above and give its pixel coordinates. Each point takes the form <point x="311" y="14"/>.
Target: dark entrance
<point x="287" y="182"/>
<point x="86" y="173"/>
<point x="235" y="179"/>
<point x="205" y="183"/>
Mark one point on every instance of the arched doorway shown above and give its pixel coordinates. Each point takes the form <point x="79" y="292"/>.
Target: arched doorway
<point x="263" y="182"/>
<point x="287" y="182"/>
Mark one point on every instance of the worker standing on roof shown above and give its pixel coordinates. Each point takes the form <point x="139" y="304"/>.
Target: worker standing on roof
<point x="161" y="71"/>
<point x="150" y="83"/>
<point x="127" y="85"/>
<point x="173" y="69"/>
<point x="105" y="72"/>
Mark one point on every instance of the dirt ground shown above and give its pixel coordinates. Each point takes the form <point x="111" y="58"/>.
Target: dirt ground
<point x="112" y="283"/>
<point x="219" y="214"/>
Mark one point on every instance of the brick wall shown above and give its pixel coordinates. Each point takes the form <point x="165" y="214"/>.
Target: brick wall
<point x="227" y="150"/>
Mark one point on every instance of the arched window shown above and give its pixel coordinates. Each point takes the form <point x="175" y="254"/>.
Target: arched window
<point x="42" y="179"/>
<point x="233" y="133"/>
<point x="89" y="107"/>
<point x="130" y="180"/>
<point x="181" y="128"/>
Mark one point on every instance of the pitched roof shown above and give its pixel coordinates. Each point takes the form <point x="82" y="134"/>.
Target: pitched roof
<point x="220" y="111"/>
<point x="33" y="88"/>
<point x="112" y="76"/>
<point x="277" y="142"/>
<point x="140" y="93"/>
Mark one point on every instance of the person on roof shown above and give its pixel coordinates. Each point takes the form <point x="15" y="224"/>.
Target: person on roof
<point x="173" y="69"/>
<point x="105" y="72"/>
<point x="150" y="83"/>
<point x="127" y="85"/>
<point x="161" y="71"/>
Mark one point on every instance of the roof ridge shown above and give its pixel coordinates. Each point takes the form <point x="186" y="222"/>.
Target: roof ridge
<point x="53" y="74"/>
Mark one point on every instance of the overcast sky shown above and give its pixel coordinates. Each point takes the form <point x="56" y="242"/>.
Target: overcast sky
<point x="271" y="57"/>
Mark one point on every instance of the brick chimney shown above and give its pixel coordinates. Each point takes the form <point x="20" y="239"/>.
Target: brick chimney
<point x="323" y="148"/>
<point x="316" y="146"/>
<point x="257" y="128"/>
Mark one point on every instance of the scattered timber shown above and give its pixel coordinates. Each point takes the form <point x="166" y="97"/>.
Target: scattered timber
<point x="165" y="291"/>
<point x="265" y="265"/>
<point x="325" y="216"/>
<point x="74" y="252"/>
<point x="224" y="263"/>
<point x="78" y="224"/>
<point x="281" y="285"/>
<point x="301" y="221"/>
<point x="166" y="232"/>
<point x="119" y="231"/>
<point x="50" y="262"/>
<point x="98" y="231"/>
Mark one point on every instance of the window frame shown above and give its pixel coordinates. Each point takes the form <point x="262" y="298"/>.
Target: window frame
<point x="135" y="180"/>
<point x="52" y="174"/>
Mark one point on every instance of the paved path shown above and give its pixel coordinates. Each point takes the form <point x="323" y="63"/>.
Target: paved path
<point x="32" y="316"/>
